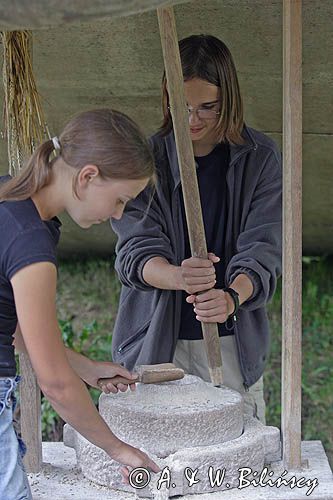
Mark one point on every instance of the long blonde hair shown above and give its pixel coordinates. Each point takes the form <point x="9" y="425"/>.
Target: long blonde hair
<point x="103" y="137"/>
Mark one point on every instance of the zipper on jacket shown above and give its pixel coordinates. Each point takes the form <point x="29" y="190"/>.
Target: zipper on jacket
<point x="131" y="341"/>
<point x="234" y="327"/>
<point x="128" y="344"/>
<point x="245" y="384"/>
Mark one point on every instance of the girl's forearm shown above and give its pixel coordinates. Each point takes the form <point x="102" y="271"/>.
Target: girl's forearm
<point x="80" y="364"/>
<point x="243" y="286"/>
<point x="71" y="400"/>
<point x="159" y="273"/>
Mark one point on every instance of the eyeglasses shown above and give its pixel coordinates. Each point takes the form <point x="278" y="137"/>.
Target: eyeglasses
<point x="206" y="113"/>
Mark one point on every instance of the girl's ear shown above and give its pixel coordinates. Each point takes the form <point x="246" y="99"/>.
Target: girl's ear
<point x="87" y="174"/>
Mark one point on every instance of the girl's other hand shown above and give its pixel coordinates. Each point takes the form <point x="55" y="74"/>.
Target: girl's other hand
<point x="214" y="306"/>
<point x="132" y="458"/>
<point x="105" y="369"/>
<point x="198" y="274"/>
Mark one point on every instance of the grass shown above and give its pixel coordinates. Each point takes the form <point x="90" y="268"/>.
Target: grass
<point x="88" y="291"/>
<point x="317" y="366"/>
<point x="88" y="294"/>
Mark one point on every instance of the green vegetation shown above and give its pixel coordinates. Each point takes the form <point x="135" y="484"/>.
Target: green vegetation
<point x="88" y="294"/>
<point x="317" y="374"/>
<point x="87" y="340"/>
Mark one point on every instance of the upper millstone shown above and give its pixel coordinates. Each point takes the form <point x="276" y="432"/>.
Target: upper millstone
<point x="163" y="418"/>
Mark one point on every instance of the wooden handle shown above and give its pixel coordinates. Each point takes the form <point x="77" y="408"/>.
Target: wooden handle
<point x="162" y="375"/>
<point x="148" y="374"/>
<point x="196" y="231"/>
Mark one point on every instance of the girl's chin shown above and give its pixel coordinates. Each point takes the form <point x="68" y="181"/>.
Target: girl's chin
<point x="84" y="224"/>
<point x="204" y="137"/>
<point x="198" y="136"/>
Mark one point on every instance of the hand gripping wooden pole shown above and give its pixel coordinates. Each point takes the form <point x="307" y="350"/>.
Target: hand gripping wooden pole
<point x="188" y="176"/>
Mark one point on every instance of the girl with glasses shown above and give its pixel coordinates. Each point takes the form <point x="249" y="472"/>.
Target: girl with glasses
<point x="239" y="177"/>
<point x="102" y="161"/>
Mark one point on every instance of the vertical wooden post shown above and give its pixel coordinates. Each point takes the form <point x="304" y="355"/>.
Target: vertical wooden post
<point x="187" y="168"/>
<point x="30" y="404"/>
<point x="292" y="234"/>
<point x="18" y="82"/>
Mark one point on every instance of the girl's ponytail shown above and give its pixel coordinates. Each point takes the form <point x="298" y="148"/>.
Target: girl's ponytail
<point x="102" y="137"/>
<point x="34" y="176"/>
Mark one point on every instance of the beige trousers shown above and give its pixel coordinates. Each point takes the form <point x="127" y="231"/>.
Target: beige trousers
<point x="190" y="355"/>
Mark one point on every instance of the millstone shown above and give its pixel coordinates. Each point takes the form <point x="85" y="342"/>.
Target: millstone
<point x="184" y="423"/>
<point x="163" y="418"/>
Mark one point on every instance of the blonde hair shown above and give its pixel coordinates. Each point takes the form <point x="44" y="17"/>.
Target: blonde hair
<point x="103" y="137"/>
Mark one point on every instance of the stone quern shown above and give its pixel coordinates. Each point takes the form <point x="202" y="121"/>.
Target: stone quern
<point x="185" y="426"/>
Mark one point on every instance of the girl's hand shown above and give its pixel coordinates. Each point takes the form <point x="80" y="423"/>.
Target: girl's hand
<point x="133" y="458"/>
<point x="197" y="274"/>
<point x="106" y="369"/>
<point x="214" y="306"/>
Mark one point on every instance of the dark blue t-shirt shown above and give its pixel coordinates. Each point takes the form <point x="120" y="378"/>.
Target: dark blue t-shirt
<point x="211" y="174"/>
<point x="24" y="239"/>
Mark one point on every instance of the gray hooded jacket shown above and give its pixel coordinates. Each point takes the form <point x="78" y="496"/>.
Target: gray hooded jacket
<point x="147" y="324"/>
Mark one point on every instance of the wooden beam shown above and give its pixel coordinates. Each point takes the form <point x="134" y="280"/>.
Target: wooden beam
<point x="292" y="234"/>
<point x="30" y="401"/>
<point x="30" y="405"/>
<point x="187" y="168"/>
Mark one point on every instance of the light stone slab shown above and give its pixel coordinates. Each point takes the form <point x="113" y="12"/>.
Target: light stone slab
<point x="61" y="479"/>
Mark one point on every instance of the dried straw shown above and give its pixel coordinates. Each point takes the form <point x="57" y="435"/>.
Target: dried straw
<point x="23" y="116"/>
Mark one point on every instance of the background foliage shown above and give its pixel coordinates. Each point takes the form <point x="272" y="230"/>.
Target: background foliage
<point x="88" y="294"/>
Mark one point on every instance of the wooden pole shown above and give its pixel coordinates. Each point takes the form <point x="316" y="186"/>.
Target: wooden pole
<point x="187" y="168"/>
<point x="292" y="232"/>
<point x="30" y="398"/>
<point x="30" y="404"/>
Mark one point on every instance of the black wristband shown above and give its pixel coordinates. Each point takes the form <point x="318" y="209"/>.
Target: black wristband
<point x="235" y="297"/>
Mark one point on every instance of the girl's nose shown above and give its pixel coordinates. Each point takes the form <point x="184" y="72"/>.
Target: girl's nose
<point x="193" y="117"/>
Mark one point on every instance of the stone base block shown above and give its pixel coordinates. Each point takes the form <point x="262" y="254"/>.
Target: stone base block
<point x="61" y="479"/>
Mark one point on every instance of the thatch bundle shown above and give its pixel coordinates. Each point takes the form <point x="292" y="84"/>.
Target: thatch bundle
<point x="23" y="116"/>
